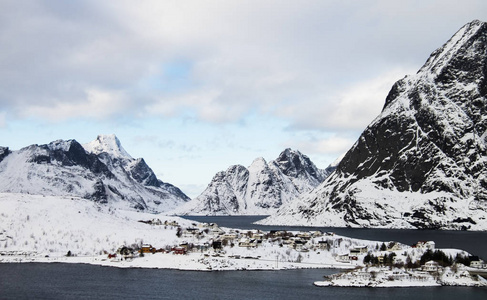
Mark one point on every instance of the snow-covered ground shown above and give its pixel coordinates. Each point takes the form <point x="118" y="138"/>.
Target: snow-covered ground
<point x="45" y="229"/>
<point x="55" y="225"/>
<point x="400" y="277"/>
<point x="388" y="208"/>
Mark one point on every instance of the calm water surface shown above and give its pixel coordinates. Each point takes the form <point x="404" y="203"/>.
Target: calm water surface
<point x="76" y="281"/>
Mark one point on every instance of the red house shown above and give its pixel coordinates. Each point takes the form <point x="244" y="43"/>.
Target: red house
<point x="179" y="250"/>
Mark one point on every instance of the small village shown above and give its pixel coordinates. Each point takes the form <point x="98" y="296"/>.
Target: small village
<point x="434" y="268"/>
<point x="366" y="263"/>
<point x="210" y="239"/>
<point x="186" y="245"/>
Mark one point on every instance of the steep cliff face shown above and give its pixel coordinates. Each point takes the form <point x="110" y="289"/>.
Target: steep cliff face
<point x="423" y="161"/>
<point x="4" y="151"/>
<point x="101" y="171"/>
<point x="260" y="189"/>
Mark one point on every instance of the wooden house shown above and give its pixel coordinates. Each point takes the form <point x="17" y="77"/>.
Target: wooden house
<point x="323" y="245"/>
<point x="393" y="246"/>
<point x="146" y="248"/>
<point x="179" y="250"/>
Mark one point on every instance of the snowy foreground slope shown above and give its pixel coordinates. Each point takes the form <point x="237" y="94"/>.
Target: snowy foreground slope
<point x="101" y="171"/>
<point x="422" y="163"/>
<point x="34" y="227"/>
<point x="49" y="225"/>
<point x="259" y="189"/>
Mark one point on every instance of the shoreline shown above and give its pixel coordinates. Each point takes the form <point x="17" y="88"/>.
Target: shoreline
<point x="188" y="262"/>
<point x="354" y="279"/>
<point x="384" y="277"/>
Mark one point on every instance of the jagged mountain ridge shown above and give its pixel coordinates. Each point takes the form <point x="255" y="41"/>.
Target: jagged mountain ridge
<point x="260" y="189"/>
<point x="101" y="171"/>
<point x="422" y="163"/>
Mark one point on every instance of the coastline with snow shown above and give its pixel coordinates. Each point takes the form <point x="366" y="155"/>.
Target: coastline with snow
<point x="47" y="229"/>
<point x="188" y="262"/>
<point x="399" y="277"/>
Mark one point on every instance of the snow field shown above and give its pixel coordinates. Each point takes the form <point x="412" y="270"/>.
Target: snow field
<point x="55" y="225"/>
<point x="42" y="228"/>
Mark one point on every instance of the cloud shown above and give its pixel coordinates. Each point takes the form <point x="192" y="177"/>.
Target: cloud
<point x="332" y="146"/>
<point x="158" y="143"/>
<point x="352" y="107"/>
<point x="96" y="104"/>
<point x="320" y="64"/>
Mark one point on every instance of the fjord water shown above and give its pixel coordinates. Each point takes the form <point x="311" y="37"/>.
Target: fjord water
<point x="77" y="281"/>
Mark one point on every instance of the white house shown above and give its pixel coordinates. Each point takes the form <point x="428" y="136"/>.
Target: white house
<point x="304" y="235"/>
<point x="229" y="236"/>
<point x="345" y="257"/>
<point x="479" y="264"/>
<point x="397" y="260"/>
<point x="216" y="230"/>
<point x="357" y="250"/>
<point x="431" y="266"/>
<point x="248" y="243"/>
<point x="426" y="245"/>
<point x="190" y="232"/>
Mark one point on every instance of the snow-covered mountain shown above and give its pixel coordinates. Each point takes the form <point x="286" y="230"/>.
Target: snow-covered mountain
<point x="259" y="189"/>
<point x="422" y="163"/>
<point x="101" y="171"/>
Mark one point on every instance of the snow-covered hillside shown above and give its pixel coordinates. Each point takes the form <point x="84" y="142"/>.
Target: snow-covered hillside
<point x="101" y="171"/>
<point x="422" y="162"/>
<point x="260" y="189"/>
<point x="49" y="225"/>
<point x="46" y="228"/>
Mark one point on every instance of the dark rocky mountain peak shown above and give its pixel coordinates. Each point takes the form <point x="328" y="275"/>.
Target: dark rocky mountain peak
<point x="294" y="164"/>
<point x="423" y="161"/>
<point x="260" y="189"/>
<point x="4" y="151"/>
<point x="101" y="171"/>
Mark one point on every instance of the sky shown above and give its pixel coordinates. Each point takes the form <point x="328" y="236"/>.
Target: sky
<point x="194" y="87"/>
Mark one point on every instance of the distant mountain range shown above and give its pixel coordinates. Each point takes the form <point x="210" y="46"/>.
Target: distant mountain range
<point x="104" y="172"/>
<point x="101" y="171"/>
<point x="260" y="189"/>
<point x="422" y="163"/>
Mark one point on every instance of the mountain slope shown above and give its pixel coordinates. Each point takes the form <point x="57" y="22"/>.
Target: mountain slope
<point x="422" y="163"/>
<point x="259" y="189"/>
<point x="101" y="171"/>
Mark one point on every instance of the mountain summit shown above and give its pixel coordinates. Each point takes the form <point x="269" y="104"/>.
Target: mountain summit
<point x="107" y="144"/>
<point x="260" y="189"/>
<point x="100" y="170"/>
<point x="422" y="163"/>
